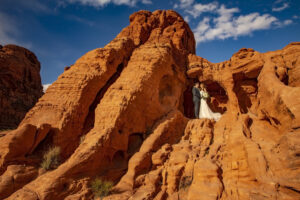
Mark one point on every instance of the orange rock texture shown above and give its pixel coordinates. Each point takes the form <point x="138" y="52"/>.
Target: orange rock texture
<point x="124" y="113"/>
<point x="20" y="84"/>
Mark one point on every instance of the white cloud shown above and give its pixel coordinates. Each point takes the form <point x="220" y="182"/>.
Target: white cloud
<point x="197" y="9"/>
<point x="246" y="24"/>
<point x="226" y="25"/>
<point x="222" y="23"/>
<point x="187" y="19"/>
<point x="102" y="3"/>
<point x="184" y="3"/>
<point x="146" y="1"/>
<point x="287" y="22"/>
<point x="296" y="17"/>
<point x="284" y="23"/>
<point x="45" y="87"/>
<point x="280" y="8"/>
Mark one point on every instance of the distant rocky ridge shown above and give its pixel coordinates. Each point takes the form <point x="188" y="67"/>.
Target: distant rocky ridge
<point x="20" y="84"/>
<point x="131" y="100"/>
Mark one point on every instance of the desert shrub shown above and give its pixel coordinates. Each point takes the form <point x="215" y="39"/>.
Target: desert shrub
<point x="51" y="158"/>
<point x="100" y="187"/>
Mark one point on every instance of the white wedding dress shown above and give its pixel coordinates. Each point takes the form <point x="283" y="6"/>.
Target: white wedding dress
<point x="205" y="111"/>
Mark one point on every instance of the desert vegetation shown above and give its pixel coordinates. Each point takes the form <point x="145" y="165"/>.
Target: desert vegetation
<point x="101" y="188"/>
<point x="51" y="158"/>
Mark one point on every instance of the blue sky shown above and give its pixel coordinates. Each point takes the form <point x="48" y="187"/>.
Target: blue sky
<point x="61" y="31"/>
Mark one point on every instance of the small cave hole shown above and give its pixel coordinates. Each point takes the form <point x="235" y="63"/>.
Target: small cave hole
<point x="245" y="89"/>
<point x="45" y="144"/>
<point x="65" y="186"/>
<point x="285" y="80"/>
<point x="276" y="121"/>
<point x="218" y="97"/>
<point x="174" y="69"/>
<point x="188" y="103"/>
<point x="250" y="122"/>
<point x="119" y="160"/>
<point x="297" y="154"/>
<point x="281" y="75"/>
<point x="167" y="91"/>
<point x="134" y="143"/>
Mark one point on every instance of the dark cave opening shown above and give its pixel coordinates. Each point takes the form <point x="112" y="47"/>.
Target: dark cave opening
<point x="119" y="160"/>
<point x="188" y="103"/>
<point x="283" y="77"/>
<point x="135" y="141"/>
<point x="44" y="145"/>
<point x="245" y="89"/>
<point x="218" y="97"/>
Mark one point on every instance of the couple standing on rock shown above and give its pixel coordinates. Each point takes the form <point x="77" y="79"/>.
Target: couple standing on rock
<point x="202" y="110"/>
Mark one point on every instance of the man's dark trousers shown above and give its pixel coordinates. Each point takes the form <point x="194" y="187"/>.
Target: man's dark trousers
<point x="196" y="100"/>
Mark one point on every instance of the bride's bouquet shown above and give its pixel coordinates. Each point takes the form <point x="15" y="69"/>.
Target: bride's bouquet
<point x="205" y="95"/>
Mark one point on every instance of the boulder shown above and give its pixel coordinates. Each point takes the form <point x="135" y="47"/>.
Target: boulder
<point x="20" y="84"/>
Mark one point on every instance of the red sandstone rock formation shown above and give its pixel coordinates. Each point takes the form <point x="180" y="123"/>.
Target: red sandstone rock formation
<point x="131" y="100"/>
<point x="20" y="84"/>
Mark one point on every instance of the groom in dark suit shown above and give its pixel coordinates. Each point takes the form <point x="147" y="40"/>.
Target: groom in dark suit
<point x="196" y="99"/>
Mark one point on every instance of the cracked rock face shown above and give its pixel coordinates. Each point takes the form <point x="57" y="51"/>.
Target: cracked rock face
<point x="20" y="84"/>
<point x="131" y="100"/>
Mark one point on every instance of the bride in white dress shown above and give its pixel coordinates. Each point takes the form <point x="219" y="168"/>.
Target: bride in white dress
<point x="204" y="110"/>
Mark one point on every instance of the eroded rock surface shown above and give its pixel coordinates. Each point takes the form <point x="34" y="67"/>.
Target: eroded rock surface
<point x="131" y="101"/>
<point x="20" y="84"/>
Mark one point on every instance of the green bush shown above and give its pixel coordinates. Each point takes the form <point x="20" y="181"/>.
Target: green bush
<point x="101" y="188"/>
<point x="51" y="158"/>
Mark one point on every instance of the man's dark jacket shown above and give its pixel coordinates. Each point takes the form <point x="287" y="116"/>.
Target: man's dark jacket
<point x="196" y="94"/>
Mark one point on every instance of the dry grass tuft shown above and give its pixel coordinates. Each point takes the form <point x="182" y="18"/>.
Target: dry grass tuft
<point x="101" y="188"/>
<point x="51" y="158"/>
